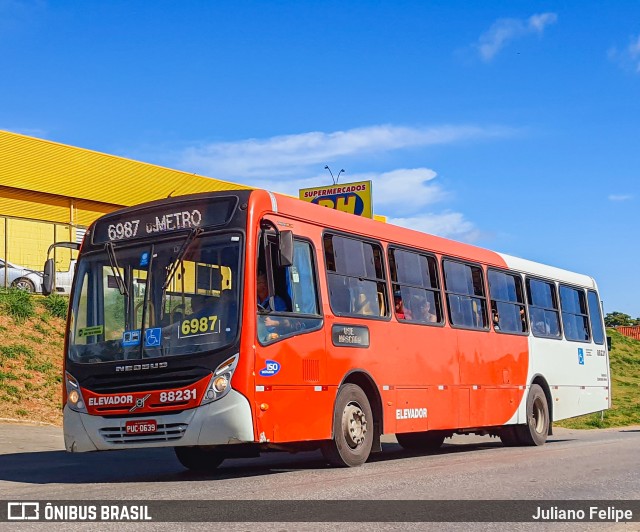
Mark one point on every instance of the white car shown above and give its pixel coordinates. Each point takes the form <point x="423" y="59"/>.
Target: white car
<point x="19" y="277"/>
<point x="64" y="279"/>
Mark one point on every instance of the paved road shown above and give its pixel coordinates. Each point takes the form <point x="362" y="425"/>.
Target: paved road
<point x="573" y="465"/>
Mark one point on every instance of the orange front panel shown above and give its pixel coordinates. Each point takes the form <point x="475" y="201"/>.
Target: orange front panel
<point x="289" y="371"/>
<point x="294" y="413"/>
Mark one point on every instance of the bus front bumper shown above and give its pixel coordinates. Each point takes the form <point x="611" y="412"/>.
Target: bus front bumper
<point x="223" y="422"/>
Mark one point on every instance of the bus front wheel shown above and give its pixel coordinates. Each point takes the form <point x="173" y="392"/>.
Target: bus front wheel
<point x="199" y="459"/>
<point x="535" y="430"/>
<point x="352" y="429"/>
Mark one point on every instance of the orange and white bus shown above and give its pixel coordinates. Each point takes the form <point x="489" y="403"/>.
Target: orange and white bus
<point x="361" y="329"/>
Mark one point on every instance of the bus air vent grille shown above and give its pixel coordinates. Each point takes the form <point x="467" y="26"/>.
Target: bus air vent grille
<point x="311" y="370"/>
<point x="168" y="432"/>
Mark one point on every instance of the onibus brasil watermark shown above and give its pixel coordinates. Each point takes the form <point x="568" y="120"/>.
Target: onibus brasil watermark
<point x="38" y="511"/>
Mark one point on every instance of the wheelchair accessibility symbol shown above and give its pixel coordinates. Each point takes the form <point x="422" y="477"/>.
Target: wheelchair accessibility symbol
<point x="581" y="356"/>
<point x="153" y="337"/>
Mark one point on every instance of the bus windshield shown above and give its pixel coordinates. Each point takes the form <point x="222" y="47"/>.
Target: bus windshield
<point x="156" y="299"/>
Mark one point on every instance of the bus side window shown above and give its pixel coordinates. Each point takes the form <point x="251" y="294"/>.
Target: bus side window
<point x="543" y="308"/>
<point x="416" y="289"/>
<point x="357" y="266"/>
<point x="595" y="315"/>
<point x="574" y="314"/>
<point x="296" y="285"/>
<point x="507" y="302"/>
<point x="464" y="286"/>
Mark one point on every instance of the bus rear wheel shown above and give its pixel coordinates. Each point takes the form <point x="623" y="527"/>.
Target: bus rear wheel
<point x="352" y="429"/>
<point x="421" y="441"/>
<point x="536" y="429"/>
<point x="199" y="459"/>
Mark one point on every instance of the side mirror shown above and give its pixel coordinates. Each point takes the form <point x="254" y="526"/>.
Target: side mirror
<point x="609" y="343"/>
<point x="285" y="249"/>
<point x="49" y="275"/>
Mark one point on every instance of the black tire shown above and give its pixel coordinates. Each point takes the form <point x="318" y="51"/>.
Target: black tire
<point x="536" y="429"/>
<point x="352" y="429"/>
<point x="421" y="441"/>
<point x="25" y="284"/>
<point x="509" y="436"/>
<point x="199" y="459"/>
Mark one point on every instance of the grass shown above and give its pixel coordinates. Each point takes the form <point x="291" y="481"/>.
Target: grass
<point x="57" y="305"/>
<point x="625" y="380"/>
<point x="31" y="344"/>
<point x="18" y="304"/>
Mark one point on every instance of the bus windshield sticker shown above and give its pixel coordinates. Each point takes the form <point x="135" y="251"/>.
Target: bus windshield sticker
<point x="131" y="338"/>
<point x="199" y="326"/>
<point x="350" y="336"/>
<point x="153" y="337"/>
<point x="271" y="368"/>
<point x="90" y="331"/>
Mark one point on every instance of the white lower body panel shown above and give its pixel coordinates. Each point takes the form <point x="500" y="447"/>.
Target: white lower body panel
<point x="222" y="422"/>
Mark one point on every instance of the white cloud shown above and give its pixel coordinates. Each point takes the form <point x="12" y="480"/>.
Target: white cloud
<point x="406" y="189"/>
<point x="409" y="187"/>
<point x="446" y="224"/>
<point x="288" y="155"/>
<point x="629" y="57"/>
<point x="505" y="30"/>
<point x="290" y="162"/>
<point x="401" y="195"/>
<point x="620" y="197"/>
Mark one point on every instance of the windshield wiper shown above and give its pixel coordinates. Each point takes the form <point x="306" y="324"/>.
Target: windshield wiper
<point x="171" y="270"/>
<point x="113" y="262"/>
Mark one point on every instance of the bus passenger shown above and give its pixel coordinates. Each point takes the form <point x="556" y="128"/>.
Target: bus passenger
<point x="362" y="304"/>
<point x="401" y="312"/>
<point x="496" y="319"/>
<point x="425" y="312"/>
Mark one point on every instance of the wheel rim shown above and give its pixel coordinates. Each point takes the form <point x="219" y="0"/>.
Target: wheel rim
<point x="538" y="417"/>
<point x="23" y="285"/>
<point x="354" y="425"/>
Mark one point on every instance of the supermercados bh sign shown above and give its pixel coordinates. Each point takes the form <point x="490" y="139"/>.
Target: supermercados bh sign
<point x="354" y="198"/>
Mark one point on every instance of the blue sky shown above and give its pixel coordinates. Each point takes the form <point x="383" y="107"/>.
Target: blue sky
<point x="510" y="125"/>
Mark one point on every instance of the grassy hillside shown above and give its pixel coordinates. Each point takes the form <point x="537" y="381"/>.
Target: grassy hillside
<point x="31" y="345"/>
<point x="32" y="339"/>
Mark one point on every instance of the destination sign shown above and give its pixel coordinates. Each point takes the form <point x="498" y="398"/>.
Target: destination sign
<point x="162" y="219"/>
<point x="350" y="336"/>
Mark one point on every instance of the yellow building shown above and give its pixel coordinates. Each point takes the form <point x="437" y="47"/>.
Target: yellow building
<point x="51" y="192"/>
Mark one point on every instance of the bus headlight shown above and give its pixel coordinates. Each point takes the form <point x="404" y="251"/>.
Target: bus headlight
<point x="220" y="383"/>
<point x="74" y="395"/>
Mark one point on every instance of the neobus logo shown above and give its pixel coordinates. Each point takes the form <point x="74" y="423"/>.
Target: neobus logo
<point x="141" y="367"/>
